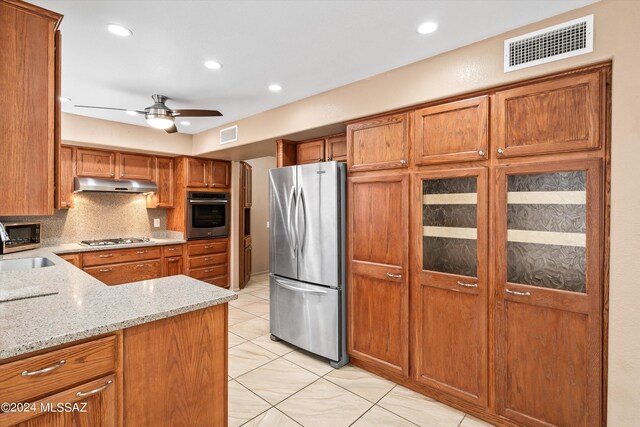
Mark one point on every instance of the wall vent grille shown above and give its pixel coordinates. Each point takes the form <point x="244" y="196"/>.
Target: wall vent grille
<point x="229" y="134"/>
<point x="549" y="44"/>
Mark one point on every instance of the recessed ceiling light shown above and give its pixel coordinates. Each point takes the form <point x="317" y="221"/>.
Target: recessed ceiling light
<point x="213" y="65"/>
<point x="132" y="113"/>
<point x="275" y="87"/>
<point x="185" y="123"/>
<point x="119" y="30"/>
<point x="64" y="99"/>
<point x="427" y="28"/>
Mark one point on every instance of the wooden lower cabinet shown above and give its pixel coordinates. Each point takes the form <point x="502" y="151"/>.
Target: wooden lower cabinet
<point x="377" y="300"/>
<point x="175" y="370"/>
<point x="116" y="274"/>
<point x="208" y="260"/>
<point x="93" y="404"/>
<point x="170" y="372"/>
<point x="172" y="266"/>
<point x="450" y="287"/>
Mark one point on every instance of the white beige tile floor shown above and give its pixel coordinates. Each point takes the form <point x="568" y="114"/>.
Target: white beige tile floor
<point x="274" y="384"/>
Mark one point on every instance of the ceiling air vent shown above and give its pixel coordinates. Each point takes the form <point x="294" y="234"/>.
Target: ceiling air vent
<point x="228" y="135"/>
<point x="561" y="41"/>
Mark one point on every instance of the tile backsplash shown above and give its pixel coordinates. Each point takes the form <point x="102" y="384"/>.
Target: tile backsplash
<point x="99" y="216"/>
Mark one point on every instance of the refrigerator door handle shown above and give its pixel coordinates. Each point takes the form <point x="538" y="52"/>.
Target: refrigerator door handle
<point x="293" y="246"/>
<point x="302" y="240"/>
<point x="296" y="289"/>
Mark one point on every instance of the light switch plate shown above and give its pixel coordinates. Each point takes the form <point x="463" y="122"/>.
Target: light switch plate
<point x="267" y="224"/>
<point x="156" y="222"/>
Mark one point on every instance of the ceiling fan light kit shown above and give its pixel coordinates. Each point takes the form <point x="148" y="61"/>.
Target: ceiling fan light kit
<point x="159" y="116"/>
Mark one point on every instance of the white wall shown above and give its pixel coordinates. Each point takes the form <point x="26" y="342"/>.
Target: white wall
<point x="260" y="213"/>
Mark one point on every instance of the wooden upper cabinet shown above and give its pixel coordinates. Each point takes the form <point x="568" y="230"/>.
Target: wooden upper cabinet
<point x="136" y="166"/>
<point x="219" y="174"/>
<point x="451" y="132"/>
<point x="27" y="99"/>
<point x="196" y="172"/>
<point x="65" y="177"/>
<point x="377" y="300"/>
<point x="95" y="163"/>
<point x="336" y="148"/>
<point x="310" y="152"/>
<point x="557" y="115"/>
<point x="165" y="178"/>
<point x="380" y="143"/>
<point x="247" y="192"/>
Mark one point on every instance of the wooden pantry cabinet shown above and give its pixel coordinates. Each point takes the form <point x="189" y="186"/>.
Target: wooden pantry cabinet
<point x="30" y="84"/>
<point x="499" y="308"/>
<point x="449" y="282"/>
<point x="378" y="257"/>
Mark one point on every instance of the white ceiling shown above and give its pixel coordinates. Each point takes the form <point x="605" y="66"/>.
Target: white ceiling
<point x="308" y="46"/>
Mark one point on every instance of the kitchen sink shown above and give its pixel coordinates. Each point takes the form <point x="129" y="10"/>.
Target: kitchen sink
<point x="24" y="264"/>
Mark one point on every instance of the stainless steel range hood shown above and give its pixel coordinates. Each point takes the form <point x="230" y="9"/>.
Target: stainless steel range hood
<point x="111" y="186"/>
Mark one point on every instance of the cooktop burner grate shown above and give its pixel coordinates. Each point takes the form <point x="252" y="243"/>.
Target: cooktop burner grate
<point x="116" y="241"/>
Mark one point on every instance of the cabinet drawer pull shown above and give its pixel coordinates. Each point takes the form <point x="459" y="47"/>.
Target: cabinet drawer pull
<point x="105" y="270"/>
<point x="208" y="271"/>
<point x="172" y="259"/>
<point x="43" y="370"/>
<point x="94" y="391"/>
<point x="105" y="256"/>
<point x="142" y="265"/>
<point x="394" y="276"/>
<point x="141" y="252"/>
<point x="172" y="249"/>
<point x="208" y="259"/>
<point x="467" y="285"/>
<point x="208" y="246"/>
<point x="522" y="294"/>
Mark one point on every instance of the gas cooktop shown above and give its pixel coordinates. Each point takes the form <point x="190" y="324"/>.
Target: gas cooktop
<point x="116" y="241"/>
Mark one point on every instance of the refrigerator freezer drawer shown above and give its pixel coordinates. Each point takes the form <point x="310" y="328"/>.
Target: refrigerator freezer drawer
<point x="306" y="316"/>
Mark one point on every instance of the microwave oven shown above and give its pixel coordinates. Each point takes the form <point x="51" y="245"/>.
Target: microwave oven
<point x="208" y="215"/>
<point x="19" y="236"/>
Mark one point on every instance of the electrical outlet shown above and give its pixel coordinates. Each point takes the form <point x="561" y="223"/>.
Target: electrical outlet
<point x="267" y="224"/>
<point x="156" y="222"/>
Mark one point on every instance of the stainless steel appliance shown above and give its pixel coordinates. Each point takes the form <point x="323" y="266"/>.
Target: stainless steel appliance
<point x="307" y="258"/>
<point x="113" y="186"/>
<point x="19" y="236"/>
<point x="115" y="241"/>
<point x="207" y="215"/>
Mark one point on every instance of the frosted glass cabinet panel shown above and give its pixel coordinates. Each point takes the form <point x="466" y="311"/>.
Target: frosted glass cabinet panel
<point x="546" y="230"/>
<point x="449" y="219"/>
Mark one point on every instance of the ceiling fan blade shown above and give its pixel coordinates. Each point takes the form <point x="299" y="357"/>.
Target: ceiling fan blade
<point x="172" y="129"/>
<point x="196" y="113"/>
<point x="109" y="108"/>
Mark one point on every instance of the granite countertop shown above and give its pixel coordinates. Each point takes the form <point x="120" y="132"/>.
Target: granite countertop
<point x="84" y="307"/>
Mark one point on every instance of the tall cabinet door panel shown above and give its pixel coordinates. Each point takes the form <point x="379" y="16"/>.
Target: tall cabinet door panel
<point x="449" y="292"/>
<point x="563" y="114"/>
<point x="136" y="166"/>
<point x="380" y="143"/>
<point x="95" y="163"/>
<point x="456" y="131"/>
<point x="377" y="299"/>
<point x="549" y="293"/>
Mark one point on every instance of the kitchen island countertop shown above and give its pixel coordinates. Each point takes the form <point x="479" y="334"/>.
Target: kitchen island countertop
<point x="84" y="307"/>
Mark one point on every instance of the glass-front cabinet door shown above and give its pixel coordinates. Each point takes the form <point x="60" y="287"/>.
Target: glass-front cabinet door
<point x="549" y="293"/>
<point x="449" y="290"/>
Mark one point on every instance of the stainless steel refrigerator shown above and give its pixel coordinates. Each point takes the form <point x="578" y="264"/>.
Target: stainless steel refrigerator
<point x="307" y="258"/>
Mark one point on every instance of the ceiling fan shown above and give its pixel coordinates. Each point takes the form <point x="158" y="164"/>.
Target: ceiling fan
<point x="159" y="116"/>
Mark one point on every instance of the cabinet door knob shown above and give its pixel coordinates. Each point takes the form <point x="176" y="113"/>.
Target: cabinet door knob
<point x="330" y="158"/>
<point x="113" y="174"/>
<point x="68" y="204"/>
<point x="403" y="162"/>
<point x="481" y="153"/>
<point x="500" y="151"/>
<point x="121" y="175"/>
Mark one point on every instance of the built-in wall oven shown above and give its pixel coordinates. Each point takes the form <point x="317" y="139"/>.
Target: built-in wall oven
<point x="208" y="215"/>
